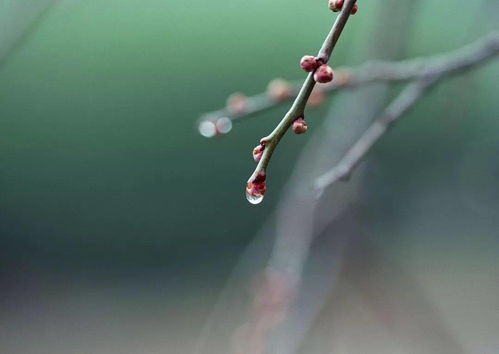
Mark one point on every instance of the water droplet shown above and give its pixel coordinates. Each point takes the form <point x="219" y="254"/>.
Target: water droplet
<point x="256" y="188"/>
<point x="254" y="198"/>
<point x="207" y="129"/>
<point x="223" y="125"/>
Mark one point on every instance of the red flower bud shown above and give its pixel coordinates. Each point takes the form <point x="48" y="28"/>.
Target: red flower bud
<point x="309" y="63"/>
<point x="258" y="152"/>
<point x="355" y="8"/>
<point x="337" y="5"/>
<point x="323" y="74"/>
<point x="299" y="126"/>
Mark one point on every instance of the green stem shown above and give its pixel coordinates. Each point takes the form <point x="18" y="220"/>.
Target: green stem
<point x="298" y="108"/>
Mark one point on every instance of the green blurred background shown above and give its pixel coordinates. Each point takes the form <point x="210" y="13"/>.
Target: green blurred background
<point x="120" y="224"/>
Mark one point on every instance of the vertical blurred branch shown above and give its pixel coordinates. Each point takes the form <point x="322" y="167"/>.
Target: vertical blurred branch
<point x="285" y="304"/>
<point x="301" y="218"/>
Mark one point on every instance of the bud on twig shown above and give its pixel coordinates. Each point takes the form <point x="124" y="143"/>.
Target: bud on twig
<point x="337" y="5"/>
<point x="309" y="63"/>
<point x="324" y="74"/>
<point x="299" y="126"/>
<point x="258" y="152"/>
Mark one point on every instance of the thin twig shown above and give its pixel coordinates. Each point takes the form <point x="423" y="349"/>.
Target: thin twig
<point x="425" y="77"/>
<point x="297" y="109"/>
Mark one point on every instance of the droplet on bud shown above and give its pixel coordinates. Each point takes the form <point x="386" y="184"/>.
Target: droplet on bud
<point x="254" y="199"/>
<point x="256" y="188"/>
<point x="207" y="129"/>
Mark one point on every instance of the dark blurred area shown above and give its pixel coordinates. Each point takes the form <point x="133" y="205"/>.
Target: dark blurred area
<point x="120" y="224"/>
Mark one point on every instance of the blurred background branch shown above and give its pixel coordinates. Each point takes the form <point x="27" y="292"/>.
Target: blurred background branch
<point x="349" y="78"/>
<point x="425" y="75"/>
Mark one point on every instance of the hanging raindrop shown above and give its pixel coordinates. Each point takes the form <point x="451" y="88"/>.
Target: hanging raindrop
<point x="254" y="198"/>
<point x="256" y="188"/>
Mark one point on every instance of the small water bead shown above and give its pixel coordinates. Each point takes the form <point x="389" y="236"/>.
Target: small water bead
<point x="254" y="199"/>
<point x="213" y="127"/>
<point x="223" y="125"/>
<point x="207" y="129"/>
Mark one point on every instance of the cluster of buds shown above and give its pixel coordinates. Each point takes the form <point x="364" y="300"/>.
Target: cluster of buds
<point x="256" y="188"/>
<point x="337" y="5"/>
<point x="323" y="72"/>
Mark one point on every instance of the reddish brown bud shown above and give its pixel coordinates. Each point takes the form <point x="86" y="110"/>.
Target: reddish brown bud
<point x="237" y="103"/>
<point x="258" y="152"/>
<point x="309" y="63"/>
<point x="355" y="8"/>
<point x="299" y="126"/>
<point x="335" y="5"/>
<point x="279" y="89"/>
<point x="323" y="74"/>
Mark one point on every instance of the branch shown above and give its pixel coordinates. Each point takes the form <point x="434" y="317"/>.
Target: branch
<point x="297" y="109"/>
<point x="345" y="78"/>
<point x="425" y="75"/>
